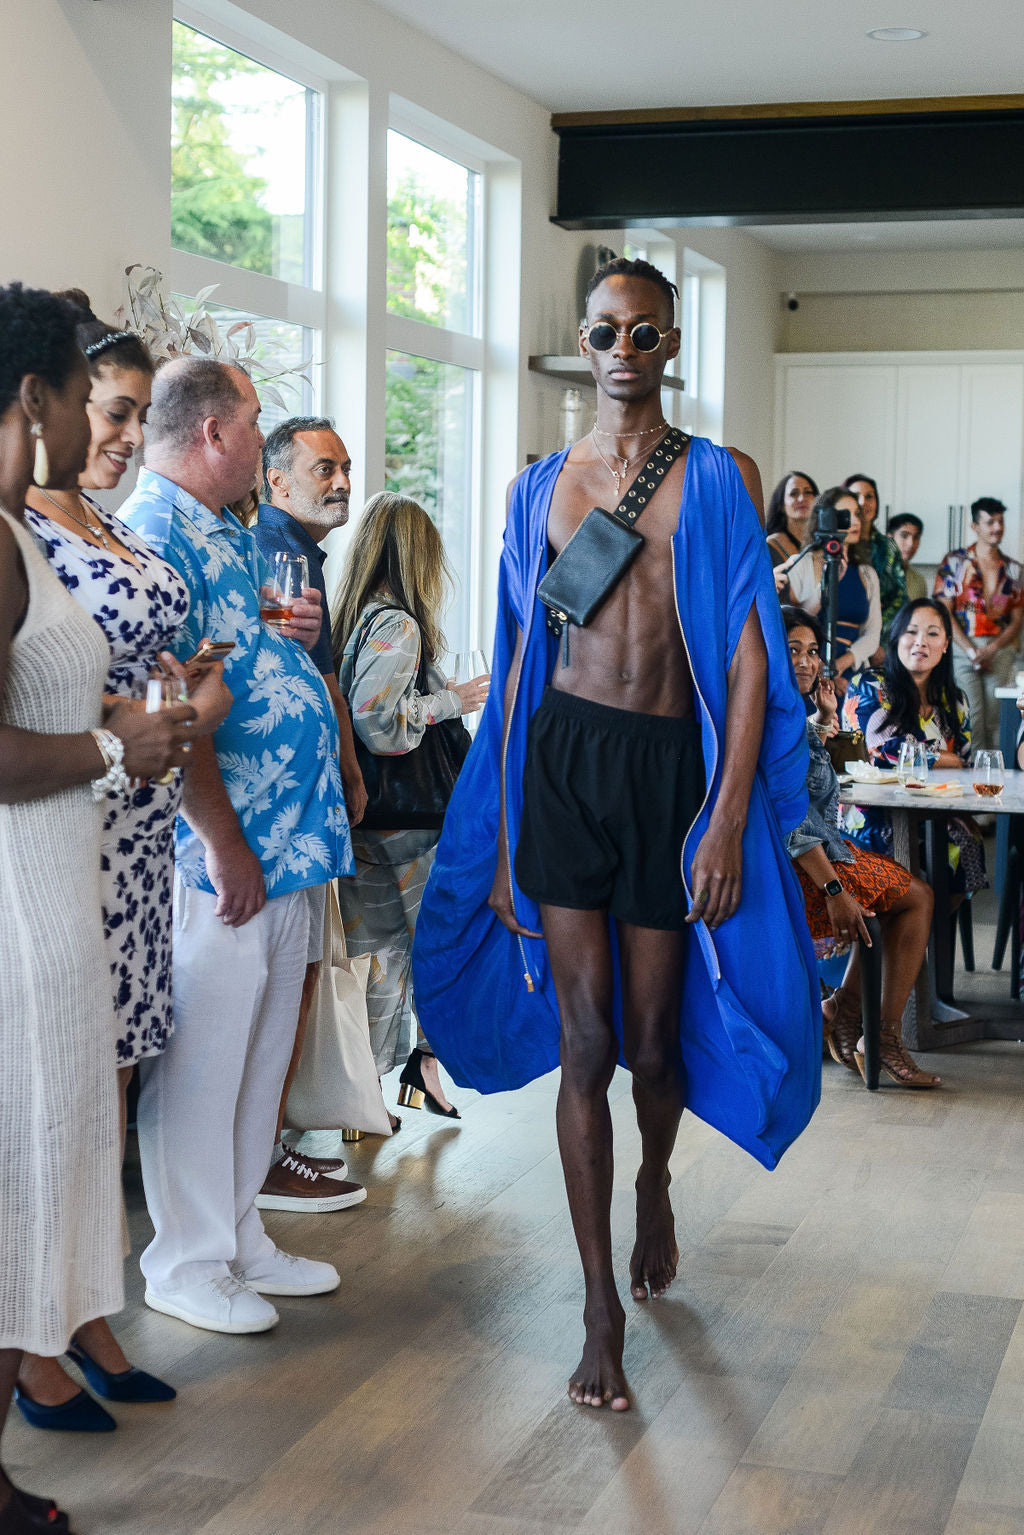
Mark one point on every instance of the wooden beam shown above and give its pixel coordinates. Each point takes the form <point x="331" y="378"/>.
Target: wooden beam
<point x="781" y="109"/>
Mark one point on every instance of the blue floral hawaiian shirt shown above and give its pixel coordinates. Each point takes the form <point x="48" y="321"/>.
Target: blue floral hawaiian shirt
<point x="278" y="747"/>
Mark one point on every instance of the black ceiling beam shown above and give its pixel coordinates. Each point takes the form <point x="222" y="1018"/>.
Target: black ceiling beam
<point x="791" y="169"/>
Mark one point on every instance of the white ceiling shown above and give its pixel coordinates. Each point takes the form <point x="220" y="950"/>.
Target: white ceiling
<point x="935" y="235"/>
<point x="604" y="55"/>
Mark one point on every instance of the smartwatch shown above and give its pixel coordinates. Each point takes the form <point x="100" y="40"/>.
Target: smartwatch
<point x="833" y="887"/>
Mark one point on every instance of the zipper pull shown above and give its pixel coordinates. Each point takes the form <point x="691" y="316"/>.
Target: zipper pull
<point x="528" y="978"/>
<point x="565" y="643"/>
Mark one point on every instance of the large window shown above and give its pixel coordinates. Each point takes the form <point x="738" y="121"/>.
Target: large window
<point x="435" y="349"/>
<point x="245" y="207"/>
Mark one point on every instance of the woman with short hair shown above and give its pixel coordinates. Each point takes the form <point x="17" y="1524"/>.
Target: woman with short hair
<point x="140" y="603"/>
<point x="60" y="1199"/>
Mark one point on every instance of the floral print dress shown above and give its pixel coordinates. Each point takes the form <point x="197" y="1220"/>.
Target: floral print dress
<point x="140" y="605"/>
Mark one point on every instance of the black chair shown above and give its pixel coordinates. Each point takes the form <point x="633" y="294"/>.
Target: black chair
<point x="963" y="923"/>
<point x="1008" y="924"/>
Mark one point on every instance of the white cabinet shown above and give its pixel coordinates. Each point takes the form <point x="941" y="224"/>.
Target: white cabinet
<point x="936" y="430"/>
<point x="829" y="411"/>
<point x="927" y="468"/>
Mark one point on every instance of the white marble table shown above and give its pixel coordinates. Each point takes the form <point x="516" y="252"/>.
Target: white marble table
<point x="907" y="809"/>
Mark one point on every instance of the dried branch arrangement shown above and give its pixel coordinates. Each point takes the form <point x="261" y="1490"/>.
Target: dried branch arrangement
<point x="170" y="330"/>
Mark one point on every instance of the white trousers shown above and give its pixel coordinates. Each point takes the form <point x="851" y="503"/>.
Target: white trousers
<point x="208" y="1107"/>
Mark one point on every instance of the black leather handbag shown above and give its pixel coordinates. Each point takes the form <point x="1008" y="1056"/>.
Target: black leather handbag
<point x="410" y="791"/>
<point x="603" y="547"/>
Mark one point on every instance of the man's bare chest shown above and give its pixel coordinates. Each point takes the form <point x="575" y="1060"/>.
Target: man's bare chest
<point x="579" y="488"/>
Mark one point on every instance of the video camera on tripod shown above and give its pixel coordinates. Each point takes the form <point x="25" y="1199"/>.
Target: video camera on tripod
<point x="831" y="525"/>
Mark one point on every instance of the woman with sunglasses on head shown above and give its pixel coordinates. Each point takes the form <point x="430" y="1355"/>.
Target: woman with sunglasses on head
<point x="858" y="613"/>
<point x="878" y="550"/>
<point x="139" y="602"/>
<point x="788" y="521"/>
<point x="843" y="884"/>
<point x="60" y="1202"/>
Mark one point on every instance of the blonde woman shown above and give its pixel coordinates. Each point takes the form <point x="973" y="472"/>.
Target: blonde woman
<point x="387" y="643"/>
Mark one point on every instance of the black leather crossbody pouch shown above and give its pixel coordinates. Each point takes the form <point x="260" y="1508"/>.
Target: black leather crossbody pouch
<point x="602" y="549"/>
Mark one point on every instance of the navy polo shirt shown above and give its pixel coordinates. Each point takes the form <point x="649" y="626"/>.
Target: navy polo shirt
<point x="277" y="532"/>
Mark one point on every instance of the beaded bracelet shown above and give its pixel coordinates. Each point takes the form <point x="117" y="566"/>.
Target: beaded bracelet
<point x="115" y="779"/>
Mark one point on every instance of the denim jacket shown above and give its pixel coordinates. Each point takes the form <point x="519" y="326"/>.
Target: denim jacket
<point x="820" y="826"/>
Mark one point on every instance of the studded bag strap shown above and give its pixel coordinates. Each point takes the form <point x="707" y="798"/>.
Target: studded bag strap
<point x="650" y="477"/>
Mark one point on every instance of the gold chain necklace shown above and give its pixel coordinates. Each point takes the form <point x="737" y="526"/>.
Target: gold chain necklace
<point x="619" y="475"/>
<point x="97" y="529"/>
<point x="648" y="432"/>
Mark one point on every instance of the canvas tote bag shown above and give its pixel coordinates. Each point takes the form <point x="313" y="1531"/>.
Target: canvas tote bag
<point x="336" y="1086"/>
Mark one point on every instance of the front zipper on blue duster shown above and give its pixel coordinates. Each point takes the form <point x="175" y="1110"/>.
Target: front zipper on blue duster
<point x="714" y="767"/>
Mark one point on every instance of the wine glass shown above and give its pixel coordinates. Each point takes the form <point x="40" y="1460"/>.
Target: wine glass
<point x="912" y="768"/>
<point x="466" y="666"/>
<point x="289" y="574"/>
<point x="163" y="693"/>
<point x="987" y="774"/>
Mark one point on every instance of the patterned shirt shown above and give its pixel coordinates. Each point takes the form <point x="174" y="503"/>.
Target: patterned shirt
<point x="278" y="748"/>
<point x="959" y="578"/>
<point x="892" y="579"/>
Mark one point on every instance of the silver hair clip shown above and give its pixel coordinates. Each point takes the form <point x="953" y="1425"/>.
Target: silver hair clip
<point x="109" y="340"/>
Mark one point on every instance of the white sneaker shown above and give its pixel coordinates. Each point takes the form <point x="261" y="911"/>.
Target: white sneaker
<point x="219" y="1305"/>
<point x="284" y="1274"/>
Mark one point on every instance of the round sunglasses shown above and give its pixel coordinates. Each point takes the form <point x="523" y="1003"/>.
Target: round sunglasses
<point x="645" y="336"/>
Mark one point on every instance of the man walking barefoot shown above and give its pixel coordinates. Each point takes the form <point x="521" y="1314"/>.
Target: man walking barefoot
<point x="635" y="793"/>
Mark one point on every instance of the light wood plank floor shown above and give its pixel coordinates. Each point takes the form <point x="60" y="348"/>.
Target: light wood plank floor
<point x="843" y="1351"/>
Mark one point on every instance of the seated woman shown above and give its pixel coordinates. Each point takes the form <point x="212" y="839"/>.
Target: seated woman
<point x="843" y="884"/>
<point x="787" y="521"/>
<point x="914" y="695"/>
<point x="858" y="609"/>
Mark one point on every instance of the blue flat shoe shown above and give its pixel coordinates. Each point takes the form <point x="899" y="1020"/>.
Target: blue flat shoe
<point x="125" y="1386"/>
<point x="79" y="1416"/>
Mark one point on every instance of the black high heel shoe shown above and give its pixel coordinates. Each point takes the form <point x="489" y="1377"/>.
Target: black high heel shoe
<point x="413" y="1092"/>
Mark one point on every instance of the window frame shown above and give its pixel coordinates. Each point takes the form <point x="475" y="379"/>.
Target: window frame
<point x="443" y="344"/>
<point x="257" y="293"/>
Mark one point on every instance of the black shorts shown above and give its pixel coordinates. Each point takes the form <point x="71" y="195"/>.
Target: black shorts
<point x="608" y="797"/>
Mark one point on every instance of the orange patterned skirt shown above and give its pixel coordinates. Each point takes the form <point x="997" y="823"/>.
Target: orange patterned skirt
<point x="875" y="881"/>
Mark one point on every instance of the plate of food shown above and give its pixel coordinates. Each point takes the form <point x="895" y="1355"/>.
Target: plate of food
<point x="866" y="772"/>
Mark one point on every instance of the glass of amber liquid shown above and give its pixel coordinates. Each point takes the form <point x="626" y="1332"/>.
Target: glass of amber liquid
<point x="289" y="574"/>
<point x="987" y="774"/>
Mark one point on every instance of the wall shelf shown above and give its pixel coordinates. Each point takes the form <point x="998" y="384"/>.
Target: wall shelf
<point x="576" y="370"/>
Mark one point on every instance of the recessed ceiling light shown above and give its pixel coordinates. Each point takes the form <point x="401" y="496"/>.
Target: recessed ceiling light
<point x="896" y="34"/>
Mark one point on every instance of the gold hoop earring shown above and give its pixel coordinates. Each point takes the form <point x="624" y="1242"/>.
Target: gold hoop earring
<point x="41" y="463"/>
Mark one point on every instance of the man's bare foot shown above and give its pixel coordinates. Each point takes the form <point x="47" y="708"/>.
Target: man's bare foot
<point x="652" y="1267"/>
<point x="598" y="1379"/>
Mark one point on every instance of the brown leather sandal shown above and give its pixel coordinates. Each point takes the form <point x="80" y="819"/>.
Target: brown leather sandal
<point x="896" y="1060"/>
<point x="841" y="1022"/>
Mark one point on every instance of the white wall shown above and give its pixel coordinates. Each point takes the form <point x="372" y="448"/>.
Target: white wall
<point x="84" y="116"/>
<point x="902" y="301"/>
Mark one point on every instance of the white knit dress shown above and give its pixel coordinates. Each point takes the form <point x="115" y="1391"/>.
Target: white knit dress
<point x="60" y="1208"/>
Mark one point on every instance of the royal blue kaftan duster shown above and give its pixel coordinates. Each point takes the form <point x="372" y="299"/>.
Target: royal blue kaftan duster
<point x="750" y="1016"/>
